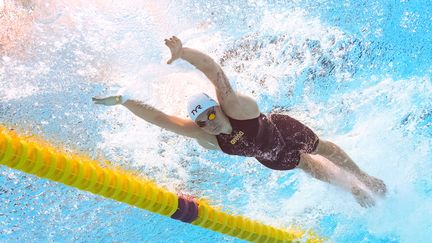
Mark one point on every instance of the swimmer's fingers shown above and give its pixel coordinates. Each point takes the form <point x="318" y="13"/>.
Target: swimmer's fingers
<point x="175" y="47"/>
<point x="108" y="101"/>
<point x="97" y="100"/>
<point x="168" y="43"/>
<point x="177" y="40"/>
<point x="173" y="41"/>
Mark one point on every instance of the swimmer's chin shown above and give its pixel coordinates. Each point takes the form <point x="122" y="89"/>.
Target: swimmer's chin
<point x="223" y="132"/>
<point x="217" y="132"/>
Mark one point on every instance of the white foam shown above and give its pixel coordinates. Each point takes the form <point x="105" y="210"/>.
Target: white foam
<point x="377" y="139"/>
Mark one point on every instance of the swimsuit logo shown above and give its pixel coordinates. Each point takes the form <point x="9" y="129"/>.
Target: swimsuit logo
<point x="194" y="111"/>
<point x="237" y="137"/>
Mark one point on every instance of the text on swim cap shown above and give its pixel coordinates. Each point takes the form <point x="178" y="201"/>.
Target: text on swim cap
<point x="194" y="111"/>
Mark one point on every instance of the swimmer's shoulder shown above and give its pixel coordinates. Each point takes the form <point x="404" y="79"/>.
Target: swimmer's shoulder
<point x="240" y="107"/>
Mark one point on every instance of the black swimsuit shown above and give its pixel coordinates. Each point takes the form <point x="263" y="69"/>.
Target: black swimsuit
<point x="276" y="142"/>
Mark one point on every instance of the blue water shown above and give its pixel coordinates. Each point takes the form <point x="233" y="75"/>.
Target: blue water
<point x="357" y="72"/>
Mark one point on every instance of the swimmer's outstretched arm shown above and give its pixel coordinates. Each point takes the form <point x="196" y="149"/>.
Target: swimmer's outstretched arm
<point x="181" y="126"/>
<point x="234" y="104"/>
<point x="204" y="63"/>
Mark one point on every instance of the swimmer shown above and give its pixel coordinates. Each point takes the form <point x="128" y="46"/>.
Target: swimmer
<point x="235" y="125"/>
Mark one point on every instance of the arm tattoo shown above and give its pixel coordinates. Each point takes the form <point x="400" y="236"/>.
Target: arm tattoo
<point x="223" y="84"/>
<point x="146" y="106"/>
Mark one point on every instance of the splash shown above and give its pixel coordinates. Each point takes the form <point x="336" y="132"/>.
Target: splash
<point x="351" y="82"/>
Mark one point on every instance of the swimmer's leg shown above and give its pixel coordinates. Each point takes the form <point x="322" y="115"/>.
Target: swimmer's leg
<point x="324" y="170"/>
<point x="335" y="154"/>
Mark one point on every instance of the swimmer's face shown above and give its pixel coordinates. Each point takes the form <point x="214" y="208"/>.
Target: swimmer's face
<point x="213" y="121"/>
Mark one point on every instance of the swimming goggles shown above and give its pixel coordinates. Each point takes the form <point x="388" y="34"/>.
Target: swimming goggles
<point x="211" y="115"/>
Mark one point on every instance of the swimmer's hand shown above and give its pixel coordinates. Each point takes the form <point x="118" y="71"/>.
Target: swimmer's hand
<point x="108" y="101"/>
<point x="175" y="47"/>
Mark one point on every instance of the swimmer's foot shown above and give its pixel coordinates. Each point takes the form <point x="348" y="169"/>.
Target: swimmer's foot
<point x="362" y="197"/>
<point x="377" y="186"/>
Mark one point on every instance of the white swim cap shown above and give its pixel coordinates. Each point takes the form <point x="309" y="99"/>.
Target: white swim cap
<point x="197" y="104"/>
